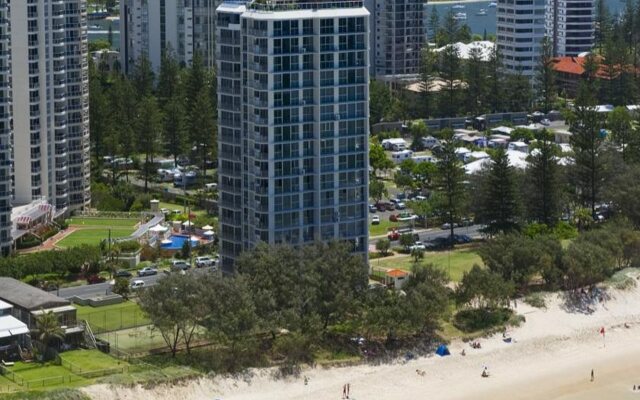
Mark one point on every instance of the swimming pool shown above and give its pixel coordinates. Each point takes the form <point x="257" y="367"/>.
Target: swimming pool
<point x="177" y="241"/>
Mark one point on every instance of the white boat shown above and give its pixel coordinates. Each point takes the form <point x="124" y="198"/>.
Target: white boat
<point x="460" y="16"/>
<point x="493" y="4"/>
<point x="482" y="12"/>
<point x="458" y="7"/>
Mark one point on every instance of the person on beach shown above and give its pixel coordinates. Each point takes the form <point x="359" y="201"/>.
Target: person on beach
<point x="348" y="389"/>
<point x="592" y="375"/>
<point x="344" y="391"/>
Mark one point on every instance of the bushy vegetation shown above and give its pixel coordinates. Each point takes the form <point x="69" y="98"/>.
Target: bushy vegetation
<point x="63" y="262"/>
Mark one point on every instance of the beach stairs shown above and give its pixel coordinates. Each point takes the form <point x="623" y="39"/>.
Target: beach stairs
<point x="89" y="337"/>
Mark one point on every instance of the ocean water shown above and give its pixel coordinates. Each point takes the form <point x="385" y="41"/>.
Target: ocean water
<point x="479" y="24"/>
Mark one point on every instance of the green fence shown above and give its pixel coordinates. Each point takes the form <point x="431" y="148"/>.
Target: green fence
<point x="89" y="374"/>
<point x="116" y="319"/>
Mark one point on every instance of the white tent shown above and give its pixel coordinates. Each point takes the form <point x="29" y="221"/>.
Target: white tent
<point x="207" y="227"/>
<point x="187" y="223"/>
<point x="159" y="229"/>
<point x="208" y="233"/>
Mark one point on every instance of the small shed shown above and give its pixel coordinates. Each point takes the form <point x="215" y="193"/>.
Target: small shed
<point x="396" y="278"/>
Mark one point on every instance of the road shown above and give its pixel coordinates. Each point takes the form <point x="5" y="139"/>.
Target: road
<point x="429" y="234"/>
<point x="100" y="289"/>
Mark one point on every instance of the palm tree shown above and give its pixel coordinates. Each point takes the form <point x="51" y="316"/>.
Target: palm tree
<point x="47" y="330"/>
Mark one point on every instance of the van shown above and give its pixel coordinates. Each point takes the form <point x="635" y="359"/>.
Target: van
<point x="180" y="265"/>
<point x="137" y="284"/>
<point x="210" y="187"/>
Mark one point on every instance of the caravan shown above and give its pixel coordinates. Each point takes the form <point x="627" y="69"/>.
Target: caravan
<point x="400" y="156"/>
<point x="394" y="144"/>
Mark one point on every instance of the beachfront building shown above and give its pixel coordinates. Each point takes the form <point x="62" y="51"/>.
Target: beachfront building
<point x="571" y="25"/>
<point x="397" y="37"/>
<point x="5" y="132"/>
<point x="150" y="27"/>
<point x="49" y="66"/>
<point x="520" y="29"/>
<point x="293" y="123"/>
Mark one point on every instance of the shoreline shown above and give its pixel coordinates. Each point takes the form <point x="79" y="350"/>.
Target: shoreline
<point x="551" y="358"/>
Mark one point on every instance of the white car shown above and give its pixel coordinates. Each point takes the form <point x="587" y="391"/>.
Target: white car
<point x="375" y="220"/>
<point x="147" y="271"/>
<point x="137" y="284"/>
<point x="545" y="122"/>
<point x="400" y="205"/>
<point x="204" y="261"/>
<point x="418" y="246"/>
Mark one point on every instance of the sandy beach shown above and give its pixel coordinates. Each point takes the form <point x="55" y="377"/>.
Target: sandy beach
<point x="551" y="358"/>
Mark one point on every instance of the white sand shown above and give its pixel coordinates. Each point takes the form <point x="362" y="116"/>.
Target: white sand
<point x="552" y="358"/>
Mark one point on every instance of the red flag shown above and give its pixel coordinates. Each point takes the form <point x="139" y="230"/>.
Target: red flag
<point x="602" y="331"/>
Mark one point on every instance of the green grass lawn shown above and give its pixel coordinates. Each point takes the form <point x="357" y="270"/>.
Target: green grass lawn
<point x="135" y="340"/>
<point x="382" y="228"/>
<point x="35" y="375"/>
<point x="106" y="222"/>
<point x="93" y="236"/>
<point x="91" y="360"/>
<point x="176" y="206"/>
<point x="113" y="317"/>
<point x="455" y="263"/>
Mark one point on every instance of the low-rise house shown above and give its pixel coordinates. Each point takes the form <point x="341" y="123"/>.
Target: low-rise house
<point x="29" y="302"/>
<point x="13" y="334"/>
<point x="462" y="153"/>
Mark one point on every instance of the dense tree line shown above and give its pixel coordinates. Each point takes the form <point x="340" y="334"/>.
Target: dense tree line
<point x="315" y="293"/>
<point x="144" y="115"/>
<point x="63" y="262"/>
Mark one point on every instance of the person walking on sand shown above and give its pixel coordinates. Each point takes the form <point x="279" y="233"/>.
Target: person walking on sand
<point x="348" y="389"/>
<point x="344" y="391"/>
<point x="592" y="375"/>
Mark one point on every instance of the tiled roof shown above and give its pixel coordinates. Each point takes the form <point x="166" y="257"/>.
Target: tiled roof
<point x="396" y="273"/>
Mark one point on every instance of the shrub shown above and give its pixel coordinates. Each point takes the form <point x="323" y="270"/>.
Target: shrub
<point x="129" y="246"/>
<point x="564" y="230"/>
<point x="536" y="300"/>
<point x="473" y="320"/>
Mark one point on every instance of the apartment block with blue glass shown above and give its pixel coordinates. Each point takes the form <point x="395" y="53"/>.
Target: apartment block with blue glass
<point x="293" y="123"/>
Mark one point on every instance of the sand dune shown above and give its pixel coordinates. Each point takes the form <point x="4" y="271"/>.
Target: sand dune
<point x="552" y="357"/>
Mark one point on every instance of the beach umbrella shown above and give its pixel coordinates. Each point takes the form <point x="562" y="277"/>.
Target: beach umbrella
<point x="187" y="223"/>
<point x="207" y="227"/>
<point x="208" y="233"/>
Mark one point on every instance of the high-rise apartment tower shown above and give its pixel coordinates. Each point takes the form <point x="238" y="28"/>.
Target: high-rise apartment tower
<point x="293" y="123"/>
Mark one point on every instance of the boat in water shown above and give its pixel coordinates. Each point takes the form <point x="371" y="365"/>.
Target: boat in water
<point x="460" y="16"/>
<point x="493" y="4"/>
<point x="482" y="12"/>
<point x="458" y="7"/>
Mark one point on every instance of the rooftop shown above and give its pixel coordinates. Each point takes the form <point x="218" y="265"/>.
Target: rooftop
<point x="28" y="297"/>
<point x="288" y="5"/>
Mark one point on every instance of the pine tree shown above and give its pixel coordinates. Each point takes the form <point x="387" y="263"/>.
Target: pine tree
<point x="174" y="129"/>
<point x="143" y="77"/>
<point x="449" y="182"/>
<point x="476" y="79"/>
<point x="500" y="205"/>
<point x="545" y="76"/>
<point x="543" y="190"/>
<point x="428" y="62"/>
<point x="168" y="78"/>
<point x="586" y="141"/>
<point x="148" y="129"/>
<point x="494" y="95"/>
<point x="450" y="71"/>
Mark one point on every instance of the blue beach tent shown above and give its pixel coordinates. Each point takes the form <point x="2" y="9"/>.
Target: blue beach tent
<point x="443" y="351"/>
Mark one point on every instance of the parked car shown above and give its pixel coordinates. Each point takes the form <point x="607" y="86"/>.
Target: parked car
<point x="393" y="235"/>
<point x="545" y="122"/>
<point x="461" y="239"/>
<point x="390" y="206"/>
<point x="380" y="207"/>
<point x="438" y="243"/>
<point x="94" y="278"/>
<point x="204" y="261"/>
<point x="372" y="208"/>
<point x="375" y="220"/>
<point x="466" y="222"/>
<point x="417" y="246"/>
<point x="146" y="271"/>
<point x="446" y="226"/>
<point x="137" y="284"/>
<point x="123" y="273"/>
<point x="400" y="205"/>
<point x="393" y="218"/>
<point x="180" y="265"/>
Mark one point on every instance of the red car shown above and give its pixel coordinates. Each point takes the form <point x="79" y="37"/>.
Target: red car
<point x="393" y="234"/>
